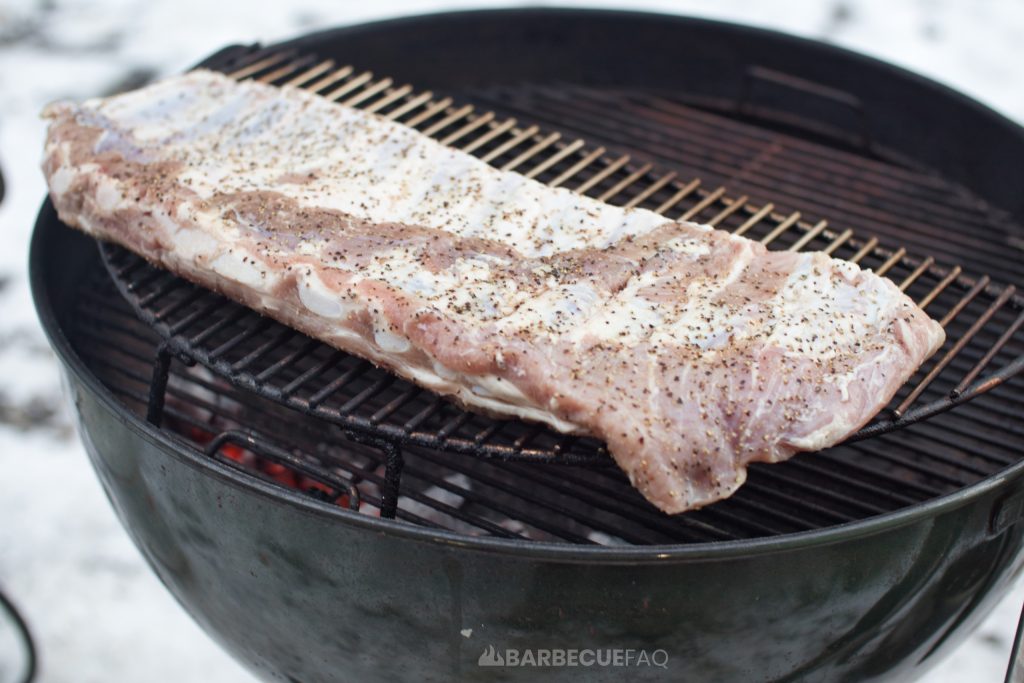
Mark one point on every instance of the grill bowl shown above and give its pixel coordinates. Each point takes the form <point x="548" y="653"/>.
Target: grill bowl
<point x="304" y="591"/>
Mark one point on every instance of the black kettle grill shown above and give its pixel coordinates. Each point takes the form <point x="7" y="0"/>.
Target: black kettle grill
<point x="325" y="521"/>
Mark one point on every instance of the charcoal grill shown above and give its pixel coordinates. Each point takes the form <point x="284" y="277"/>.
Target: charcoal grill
<point x="221" y="434"/>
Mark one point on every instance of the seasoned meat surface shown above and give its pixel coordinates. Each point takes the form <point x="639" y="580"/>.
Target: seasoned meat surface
<point x="691" y="352"/>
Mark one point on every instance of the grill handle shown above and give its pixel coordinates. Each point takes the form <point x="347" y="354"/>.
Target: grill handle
<point x="756" y="75"/>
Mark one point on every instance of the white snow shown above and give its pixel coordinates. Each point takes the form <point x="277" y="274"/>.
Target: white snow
<point x="98" y="612"/>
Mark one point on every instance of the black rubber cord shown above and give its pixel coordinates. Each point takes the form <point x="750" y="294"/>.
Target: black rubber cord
<point x="31" y="660"/>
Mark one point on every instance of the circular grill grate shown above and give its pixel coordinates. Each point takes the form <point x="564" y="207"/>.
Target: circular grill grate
<point x="278" y="380"/>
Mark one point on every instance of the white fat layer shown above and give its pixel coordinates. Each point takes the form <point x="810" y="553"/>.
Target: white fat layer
<point x="796" y="320"/>
<point x="559" y="309"/>
<point x="248" y="135"/>
<point x="689" y="245"/>
<point x="169" y="225"/>
<point x="630" y="317"/>
<point x="321" y="299"/>
<point x="241" y="267"/>
<point x="852" y="313"/>
<point x="507" y="400"/>
<point x="60" y="180"/>
<point x="627" y="317"/>
<point x="842" y="382"/>
<point x="469" y="285"/>
<point x="195" y="245"/>
<point x="496" y="388"/>
<point x="390" y="342"/>
<point x="444" y="373"/>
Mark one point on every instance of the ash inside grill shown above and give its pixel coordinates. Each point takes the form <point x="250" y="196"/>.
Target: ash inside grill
<point x="295" y="412"/>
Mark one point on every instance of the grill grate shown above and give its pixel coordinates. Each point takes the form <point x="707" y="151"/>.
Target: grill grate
<point x="266" y="362"/>
<point x="538" y="500"/>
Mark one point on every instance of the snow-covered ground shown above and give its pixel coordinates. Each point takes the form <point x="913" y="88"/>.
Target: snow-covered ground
<point x="98" y="612"/>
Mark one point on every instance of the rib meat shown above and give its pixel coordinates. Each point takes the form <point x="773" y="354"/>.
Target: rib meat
<point x="691" y="352"/>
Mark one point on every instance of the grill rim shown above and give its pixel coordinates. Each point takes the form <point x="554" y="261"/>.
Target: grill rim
<point x="47" y="224"/>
